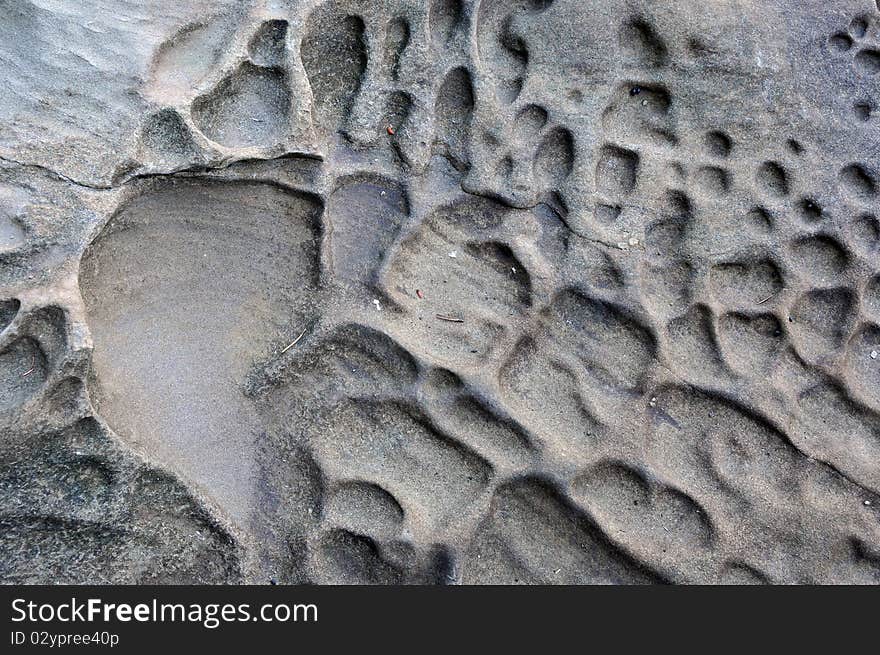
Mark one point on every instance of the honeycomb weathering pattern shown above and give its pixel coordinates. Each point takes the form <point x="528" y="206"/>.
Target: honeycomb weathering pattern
<point x="447" y="292"/>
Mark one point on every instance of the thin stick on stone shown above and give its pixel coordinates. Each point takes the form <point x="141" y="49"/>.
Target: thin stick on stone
<point x="450" y="319"/>
<point x="293" y="343"/>
<point x="32" y="368"/>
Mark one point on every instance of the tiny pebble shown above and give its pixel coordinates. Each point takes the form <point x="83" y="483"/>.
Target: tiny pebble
<point x="453" y="254"/>
<point x="873" y="354"/>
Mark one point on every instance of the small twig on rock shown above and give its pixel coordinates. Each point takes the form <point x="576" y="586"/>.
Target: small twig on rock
<point x="32" y="368"/>
<point x="293" y="343"/>
<point x="450" y="319"/>
<point x="761" y="302"/>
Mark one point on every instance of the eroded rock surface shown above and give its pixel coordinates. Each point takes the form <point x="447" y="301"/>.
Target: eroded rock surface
<point x="460" y="291"/>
